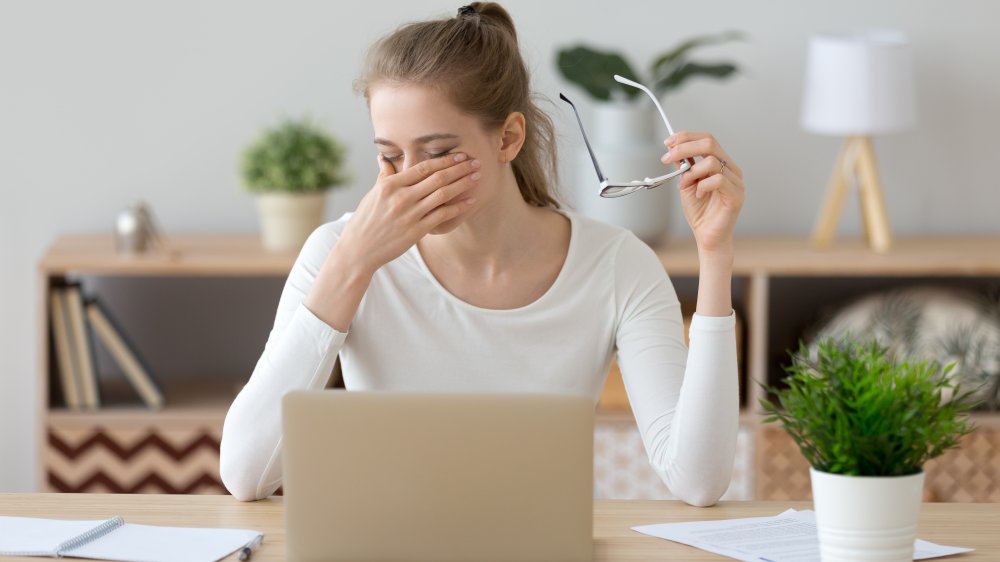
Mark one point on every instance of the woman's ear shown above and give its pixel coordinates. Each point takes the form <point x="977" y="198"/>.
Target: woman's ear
<point x="512" y="137"/>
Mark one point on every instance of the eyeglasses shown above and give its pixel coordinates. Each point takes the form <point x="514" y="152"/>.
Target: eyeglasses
<point x="618" y="189"/>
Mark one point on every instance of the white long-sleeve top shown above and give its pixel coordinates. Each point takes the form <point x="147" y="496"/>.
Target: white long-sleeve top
<point x="409" y="333"/>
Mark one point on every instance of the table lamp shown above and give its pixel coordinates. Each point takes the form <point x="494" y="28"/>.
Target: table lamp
<point x="857" y="85"/>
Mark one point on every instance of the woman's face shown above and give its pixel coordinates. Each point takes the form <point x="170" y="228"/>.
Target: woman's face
<point x="414" y="123"/>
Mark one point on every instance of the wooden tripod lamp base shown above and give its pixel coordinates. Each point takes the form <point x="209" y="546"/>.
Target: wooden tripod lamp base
<point x="856" y="161"/>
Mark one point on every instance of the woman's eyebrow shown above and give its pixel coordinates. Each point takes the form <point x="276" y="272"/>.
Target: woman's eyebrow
<point x="420" y="140"/>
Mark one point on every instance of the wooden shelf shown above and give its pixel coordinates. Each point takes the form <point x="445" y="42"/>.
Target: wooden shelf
<point x="796" y="257"/>
<point x="183" y="255"/>
<point x="187" y="401"/>
<point x="242" y="254"/>
<point x="125" y="446"/>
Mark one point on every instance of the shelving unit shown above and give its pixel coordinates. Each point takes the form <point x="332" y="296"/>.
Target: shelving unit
<point x="779" y="286"/>
<point x="125" y="447"/>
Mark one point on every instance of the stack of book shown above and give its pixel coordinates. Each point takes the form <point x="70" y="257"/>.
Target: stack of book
<point x="73" y="319"/>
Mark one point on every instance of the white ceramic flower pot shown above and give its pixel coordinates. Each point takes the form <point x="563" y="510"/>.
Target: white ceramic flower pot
<point x="287" y="219"/>
<point x="623" y="137"/>
<point x="866" y="518"/>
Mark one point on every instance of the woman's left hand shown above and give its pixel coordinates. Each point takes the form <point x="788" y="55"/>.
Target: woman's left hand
<point x="711" y="191"/>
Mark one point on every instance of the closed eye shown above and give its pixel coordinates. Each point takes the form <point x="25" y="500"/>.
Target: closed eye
<point x="397" y="157"/>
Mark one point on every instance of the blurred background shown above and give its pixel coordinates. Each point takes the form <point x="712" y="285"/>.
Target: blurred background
<point x="104" y="102"/>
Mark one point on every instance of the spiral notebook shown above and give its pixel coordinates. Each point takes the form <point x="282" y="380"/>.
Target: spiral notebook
<point x="113" y="539"/>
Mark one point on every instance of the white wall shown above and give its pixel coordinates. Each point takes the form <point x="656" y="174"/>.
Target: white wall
<point x="105" y="101"/>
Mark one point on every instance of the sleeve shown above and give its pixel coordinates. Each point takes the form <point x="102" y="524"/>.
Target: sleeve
<point x="686" y="403"/>
<point x="300" y="353"/>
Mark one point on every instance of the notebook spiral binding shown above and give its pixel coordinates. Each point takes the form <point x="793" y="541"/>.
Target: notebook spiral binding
<point x="91" y="535"/>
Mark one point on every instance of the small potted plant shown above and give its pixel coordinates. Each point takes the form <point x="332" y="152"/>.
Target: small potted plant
<point x="622" y="125"/>
<point x="290" y="167"/>
<point x="867" y="424"/>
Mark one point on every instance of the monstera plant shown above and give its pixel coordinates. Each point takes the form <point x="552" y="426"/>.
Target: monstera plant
<point x="593" y="70"/>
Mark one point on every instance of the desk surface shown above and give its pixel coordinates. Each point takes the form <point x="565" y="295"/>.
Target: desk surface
<point x="967" y="525"/>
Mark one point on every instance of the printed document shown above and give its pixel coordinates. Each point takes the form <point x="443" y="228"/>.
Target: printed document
<point x="788" y="537"/>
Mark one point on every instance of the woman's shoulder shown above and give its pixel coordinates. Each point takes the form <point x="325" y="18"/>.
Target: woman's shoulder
<point x="610" y="241"/>
<point x="632" y="266"/>
<point x="320" y="242"/>
<point x="325" y="236"/>
<point x="592" y="227"/>
<point x="329" y="232"/>
<point x="334" y="228"/>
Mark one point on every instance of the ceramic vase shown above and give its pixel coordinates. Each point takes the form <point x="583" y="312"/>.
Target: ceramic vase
<point x="866" y="518"/>
<point x="287" y="219"/>
<point x="623" y="138"/>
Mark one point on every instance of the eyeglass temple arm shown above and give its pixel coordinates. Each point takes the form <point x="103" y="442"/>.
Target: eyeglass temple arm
<point x="623" y="80"/>
<point x="670" y="130"/>
<point x="600" y="175"/>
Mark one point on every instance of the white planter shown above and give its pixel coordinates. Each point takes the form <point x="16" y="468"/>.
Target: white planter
<point x="866" y="518"/>
<point x="623" y="137"/>
<point x="287" y="219"/>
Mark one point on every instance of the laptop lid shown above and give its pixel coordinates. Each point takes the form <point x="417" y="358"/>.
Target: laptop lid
<point x="442" y="477"/>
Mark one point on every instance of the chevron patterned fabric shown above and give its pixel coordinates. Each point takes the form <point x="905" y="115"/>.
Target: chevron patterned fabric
<point x="143" y="460"/>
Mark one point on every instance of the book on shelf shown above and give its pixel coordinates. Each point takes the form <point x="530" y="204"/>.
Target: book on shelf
<point x="65" y="354"/>
<point x="86" y="370"/>
<point x="124" y="353"/>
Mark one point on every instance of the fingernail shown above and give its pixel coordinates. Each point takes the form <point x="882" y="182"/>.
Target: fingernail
<point x="460" y="157"/>
<point x="671" y="139"/>
<point x="475" y="176"/>
<point x="470" y="200"/>
<point x="475" y="164"/>
<point x="666" y="157"/>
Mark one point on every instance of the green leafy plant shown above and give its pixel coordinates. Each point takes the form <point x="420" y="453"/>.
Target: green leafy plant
<point x="296" y="156"/>
<point x="853" y="410"/>
<point x="593" y="70"/>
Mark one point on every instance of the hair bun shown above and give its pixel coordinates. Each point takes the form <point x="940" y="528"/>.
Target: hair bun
<point x="491" y="12"/>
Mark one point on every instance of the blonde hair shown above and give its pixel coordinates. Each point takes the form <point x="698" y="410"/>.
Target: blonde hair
<point x="474" y="59"/>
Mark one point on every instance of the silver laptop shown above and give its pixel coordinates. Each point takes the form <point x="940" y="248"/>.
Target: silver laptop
<point x="437" y="477"/>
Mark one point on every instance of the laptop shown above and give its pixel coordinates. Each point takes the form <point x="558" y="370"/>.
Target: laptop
<point x="437" y="477"/>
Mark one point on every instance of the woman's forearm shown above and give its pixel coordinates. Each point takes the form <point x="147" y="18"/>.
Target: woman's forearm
<point x="715" y="282"/>
<point x="337" y="292"/>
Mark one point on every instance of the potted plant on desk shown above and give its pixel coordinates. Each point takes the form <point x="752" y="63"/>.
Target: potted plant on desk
<point x="867" y="424"/>
<point x="290" y="167"/>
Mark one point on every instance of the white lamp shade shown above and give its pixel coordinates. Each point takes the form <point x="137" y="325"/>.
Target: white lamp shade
<point x="859" y="84"/>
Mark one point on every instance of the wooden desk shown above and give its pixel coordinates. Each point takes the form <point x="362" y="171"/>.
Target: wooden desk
<point x="968" y="525"/>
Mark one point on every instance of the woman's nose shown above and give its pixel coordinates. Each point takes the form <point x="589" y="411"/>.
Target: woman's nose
<point x="409" y="161"/>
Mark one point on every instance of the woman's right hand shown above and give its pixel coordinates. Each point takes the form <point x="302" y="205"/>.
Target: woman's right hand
<point x="401" y="208"/>
<point x="394" y="215"/>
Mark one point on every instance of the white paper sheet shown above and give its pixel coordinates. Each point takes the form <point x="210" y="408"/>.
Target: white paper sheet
<point x="31" y="536"/>
<point x="788" y="537"/>
<point x="149" y="543"/>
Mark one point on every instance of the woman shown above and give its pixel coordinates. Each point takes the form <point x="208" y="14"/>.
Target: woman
<point x="459" y="272"/>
